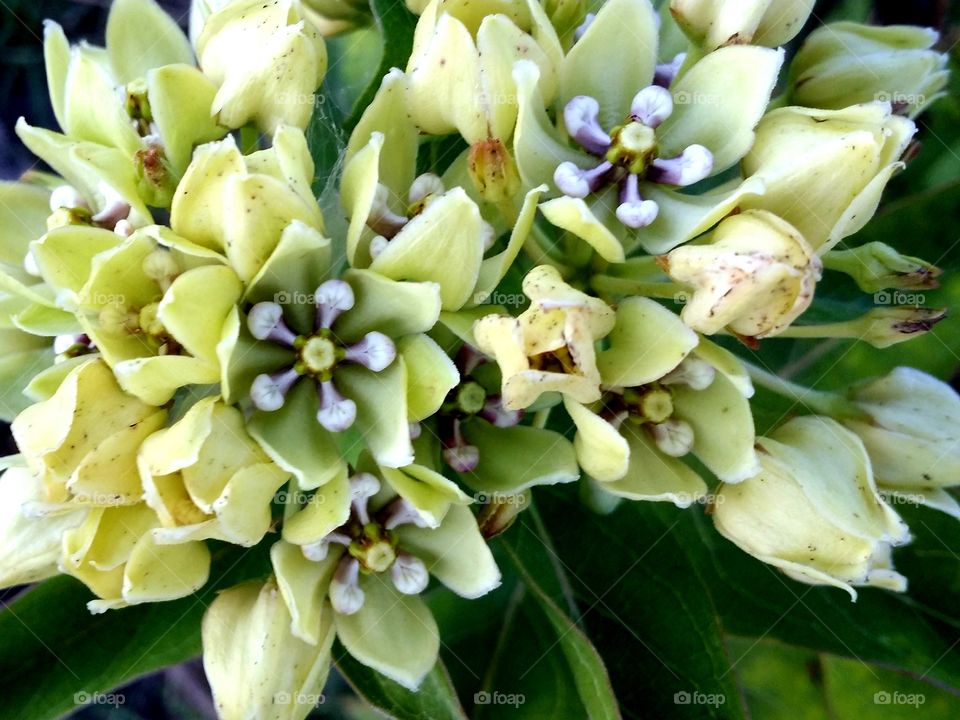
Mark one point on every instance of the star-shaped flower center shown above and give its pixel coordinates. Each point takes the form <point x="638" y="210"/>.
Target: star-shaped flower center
<point x="630" y="153"/>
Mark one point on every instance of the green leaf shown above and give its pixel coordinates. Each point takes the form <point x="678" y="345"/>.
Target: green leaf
<point x="585" y="664"/>
<point x="647" y="607"/>
<point x="436" y="697"/>
<point x="51" y="648"/>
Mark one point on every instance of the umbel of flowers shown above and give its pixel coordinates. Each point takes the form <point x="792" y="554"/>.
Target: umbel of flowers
<point x="193" y="351"/>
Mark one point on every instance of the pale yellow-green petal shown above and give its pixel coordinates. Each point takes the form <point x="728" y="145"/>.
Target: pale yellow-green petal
<point x="614" y="59"/>
<point x="195" y="308"/>
<point x="574" y="215"/>
<point x="651" y="475"/>
<point x="602" y="452"/>
<point x="647" y="342"/>
<point x="725" y="94"/>
<point x="141" y="36"/>
<point x="443" y="244"/>
<point x="303" y="584"/>
<point x="455" y="553"/>
<point x="723" y="431"/>
<point x="392" y="633"/>
<point x="431" y="374"/>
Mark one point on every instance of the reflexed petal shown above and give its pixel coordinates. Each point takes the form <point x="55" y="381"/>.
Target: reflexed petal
<point x="327" y="510"/>
<point x="818" y="450"/>
<point x="430" y="375"/>
<point x="723" y="96"/>
<point x="23" y="218"/>
<point x="602" y="451"/>
<point x="684" y="217"/>
<point x="455" y="553"/>
<point x="392" y="633"/>
<point x="444" y="76"/>
<point x="574" y="215"/>
<point x="195" y="308"/>
<point x="442" y="244"/>
<point x="388" y="115"/>
<point x="393" y="308"/>
<point x="550" y="457"/>
<point x="722" y="427"/>
<point x="358" y="189"/>
<point x="494" y="268"/>
<point x="155" y="572"/>
<point x="93" y="110"/>
<point x="603" y="65"/>
<point x="180" y="100"/>
<point x="141" y="36"/>
<point x="647" y="342"/>
<point x="651" y="475"/>
<point x="727" y="363"/>
<point x="198" y="205"/>
<point x="538" y="146"/>
<point x="155" y="379"/>
<point x="294" y="440"/>
<point x="428" y="491"/>
<point x="382" y="419"/>
<point x="303" y="584"/>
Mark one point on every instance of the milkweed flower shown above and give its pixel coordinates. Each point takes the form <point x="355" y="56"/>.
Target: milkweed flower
<point x="814" y="510"/>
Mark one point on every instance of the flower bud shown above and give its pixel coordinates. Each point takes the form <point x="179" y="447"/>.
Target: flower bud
<point x="256" y="665"/>
<point x="267" y="59"/>
<point x="857" y="149"/>
<point x="877" y="266"/>
<point x="813" y="510"/>
<point x="911" y="435"/>
<point x="714" y="23"/>
<point x="888" y="326"/>
<point x="500" y="513"/>
<point x="460" y="66"/>
<point x="847" y="63"/>
<point x="756" y="277"/>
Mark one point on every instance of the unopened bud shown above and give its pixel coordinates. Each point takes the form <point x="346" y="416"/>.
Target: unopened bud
<point x="877" y="266"/>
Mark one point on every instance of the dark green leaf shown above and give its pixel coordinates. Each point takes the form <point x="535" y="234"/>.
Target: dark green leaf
<point x="51" y="648"/>
<point x="436" y="697"/>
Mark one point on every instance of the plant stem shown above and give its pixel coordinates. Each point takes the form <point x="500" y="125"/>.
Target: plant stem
<point x="817" y="401"/>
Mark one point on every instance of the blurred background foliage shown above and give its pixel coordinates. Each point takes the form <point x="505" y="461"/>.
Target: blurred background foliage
<point x="671" y="607"/>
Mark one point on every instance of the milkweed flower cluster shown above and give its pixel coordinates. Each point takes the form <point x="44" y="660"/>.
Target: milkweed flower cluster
<point x="197" y="352"/>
